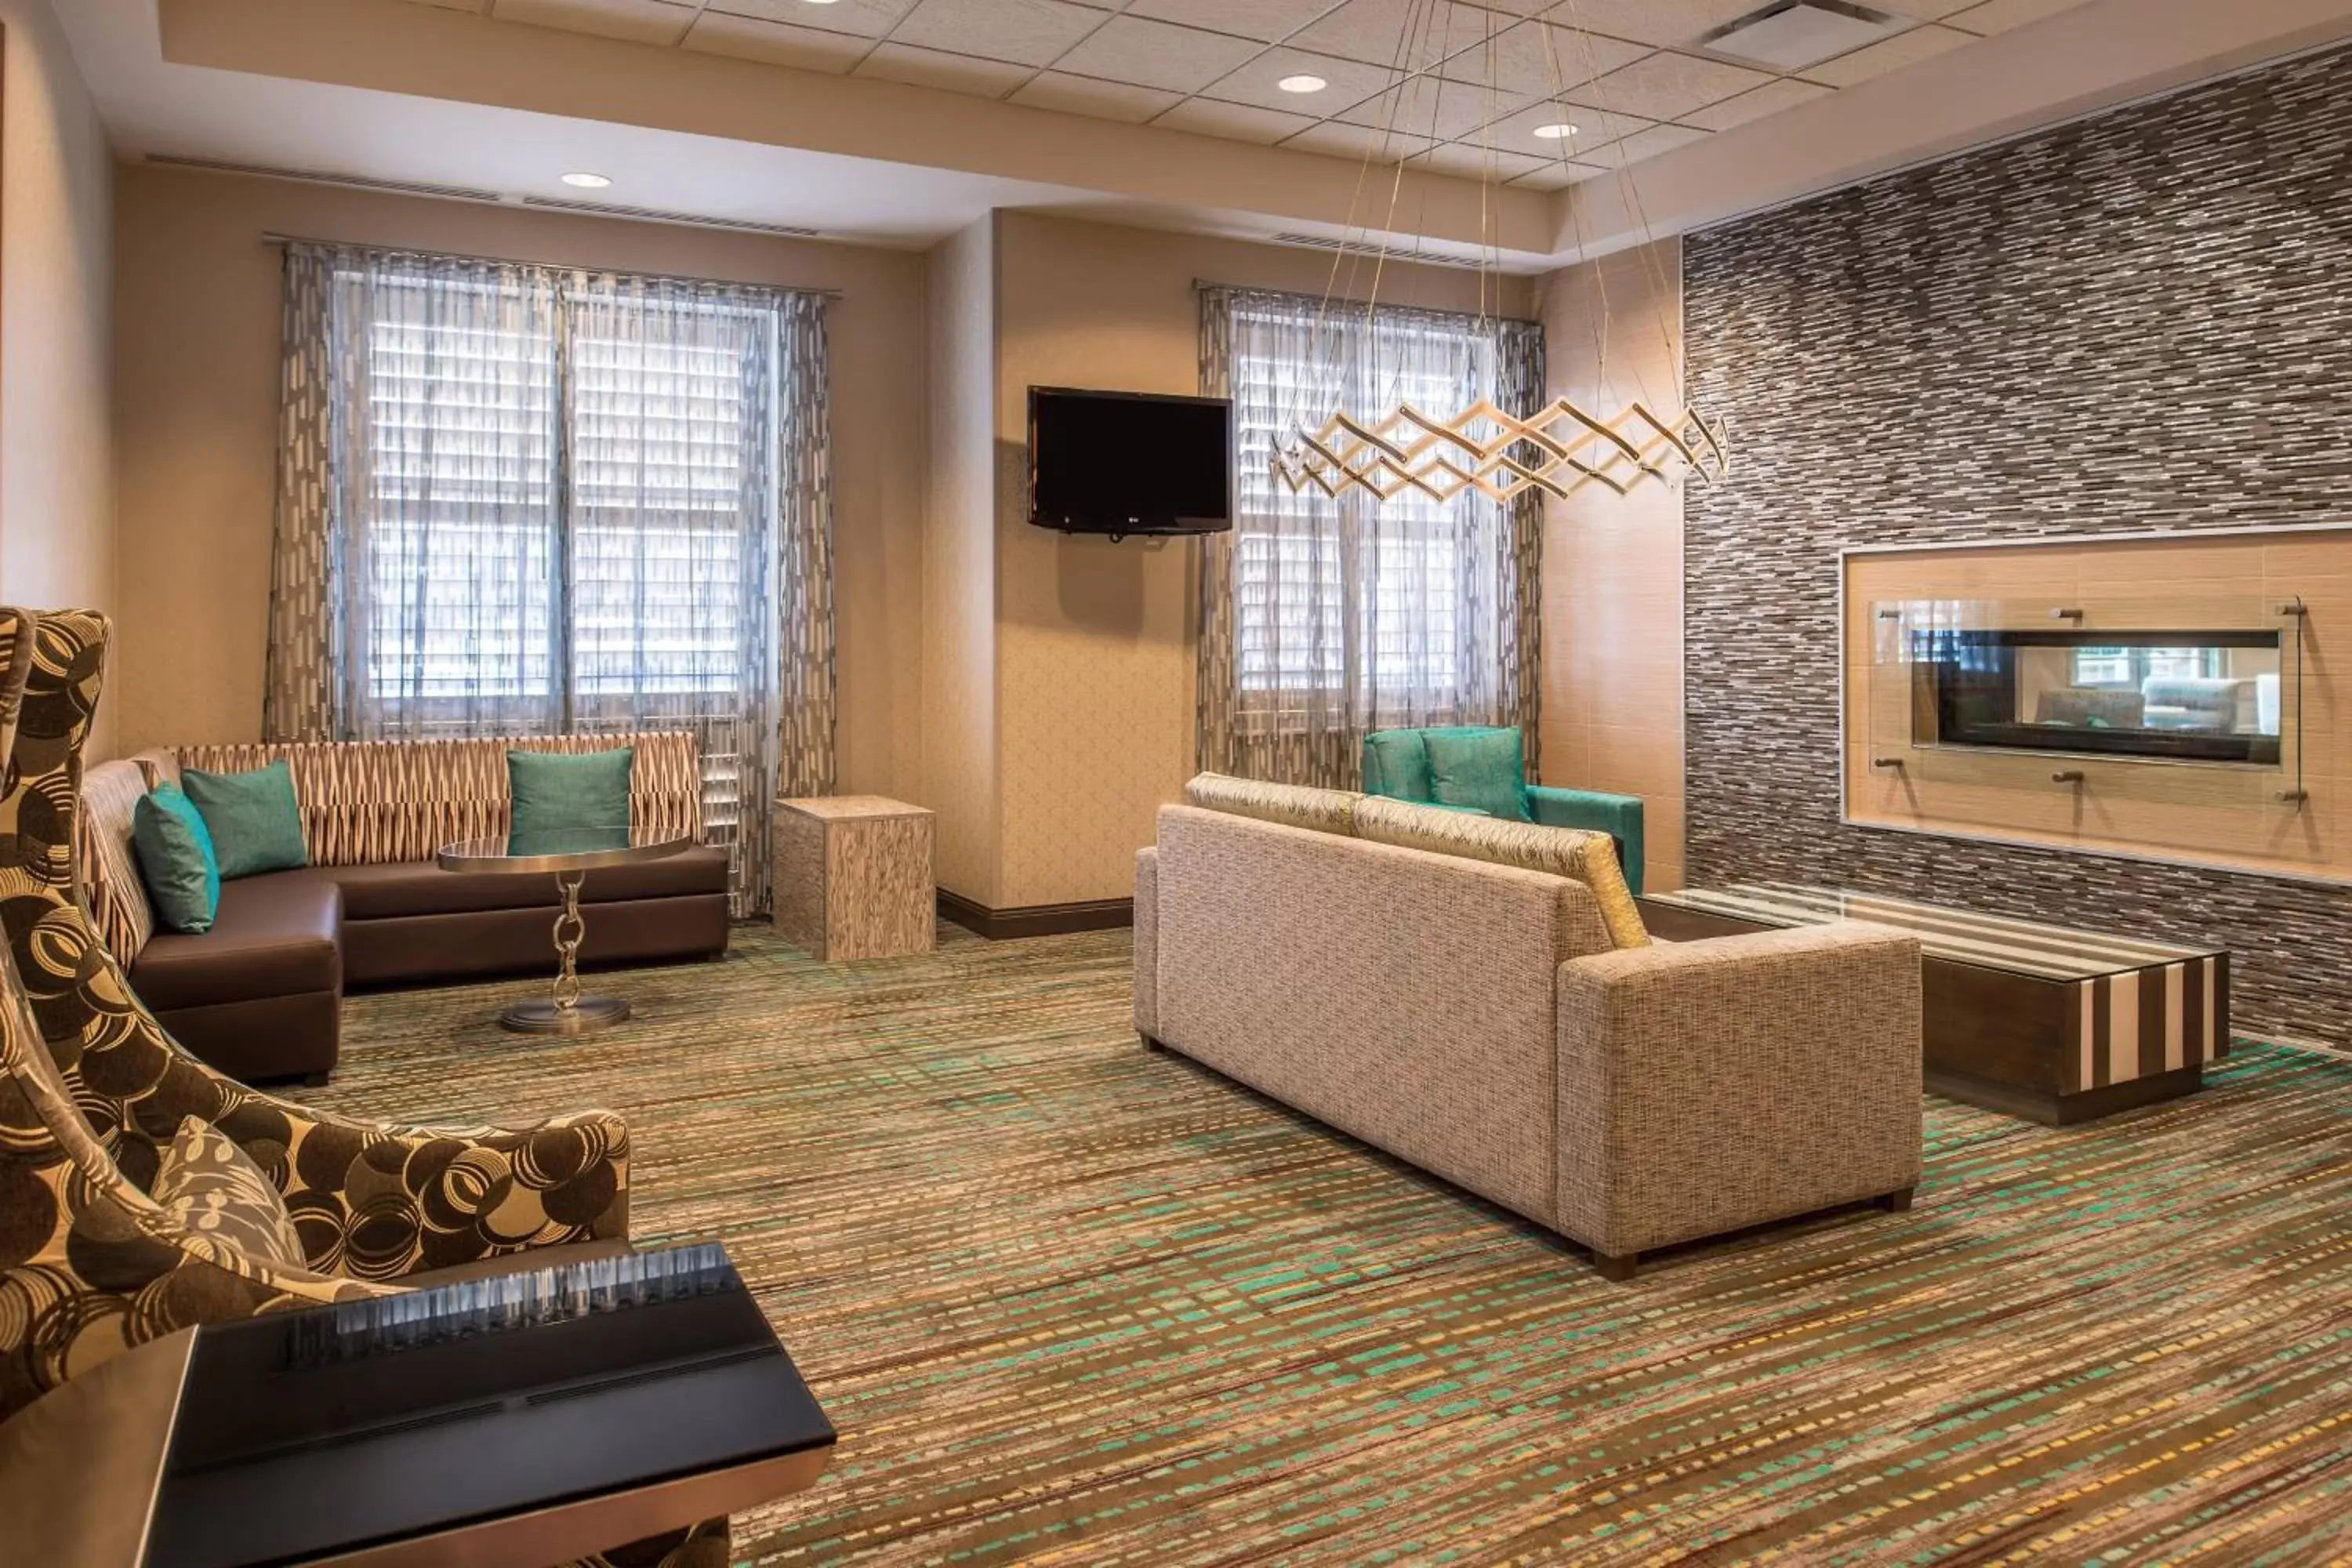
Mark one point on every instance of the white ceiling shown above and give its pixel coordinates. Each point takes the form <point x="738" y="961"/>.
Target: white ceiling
<point x="899" y="121"/>
<point x="1447" y="84"/>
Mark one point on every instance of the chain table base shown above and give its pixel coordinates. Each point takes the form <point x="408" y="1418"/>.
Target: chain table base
<point x="585" y="1015"/>
<point x="565" y="1011"/>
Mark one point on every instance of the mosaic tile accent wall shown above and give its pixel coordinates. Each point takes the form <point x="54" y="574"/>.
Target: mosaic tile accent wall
<point x="2141" y="320"/>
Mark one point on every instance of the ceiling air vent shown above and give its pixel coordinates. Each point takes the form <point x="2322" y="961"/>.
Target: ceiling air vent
<point x="323" y="177"/>
<point x="655" y="215"/>
<point x="1368" y="247"/>
<point x="1791" y="35"/>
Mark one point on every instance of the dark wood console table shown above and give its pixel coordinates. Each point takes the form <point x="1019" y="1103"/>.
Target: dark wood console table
<point x="2034" y="1020"/>
<point x="531" y="1418"/>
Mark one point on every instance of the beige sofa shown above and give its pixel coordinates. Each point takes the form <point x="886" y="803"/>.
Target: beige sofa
<point x="1478" y="1020"/>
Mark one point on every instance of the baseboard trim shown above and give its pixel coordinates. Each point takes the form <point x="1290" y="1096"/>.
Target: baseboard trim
<point x="1036" y="920"/>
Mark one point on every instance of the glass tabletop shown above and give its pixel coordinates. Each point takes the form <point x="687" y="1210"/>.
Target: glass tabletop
<point x="1962" y="936"/>
<point x="561" y="850"/>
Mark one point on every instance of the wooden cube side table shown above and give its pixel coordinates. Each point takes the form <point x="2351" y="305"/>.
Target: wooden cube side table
<point x="853" y="877"/>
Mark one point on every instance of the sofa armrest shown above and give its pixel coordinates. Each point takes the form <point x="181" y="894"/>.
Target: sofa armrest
<point x="1706" y="1086"/>
<point x="376" y="1201"/>
<point x="1147" y="941"/>
<point x="1618" y="815"/>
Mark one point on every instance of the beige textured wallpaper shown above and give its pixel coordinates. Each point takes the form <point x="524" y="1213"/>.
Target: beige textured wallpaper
<point x="1096" y="641"/>
<point x="1613" y="695"/>
<point x="196" y="303"/>
<point x="57" y="478"/>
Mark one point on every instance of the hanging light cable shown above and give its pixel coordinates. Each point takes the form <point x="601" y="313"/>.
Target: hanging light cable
<point x="1559" y="448"/>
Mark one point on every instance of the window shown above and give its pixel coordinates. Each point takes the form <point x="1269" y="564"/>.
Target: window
<point x="562" y="497"/>
<point x="1352" y="601"/>
<point x="2135" y="667"/>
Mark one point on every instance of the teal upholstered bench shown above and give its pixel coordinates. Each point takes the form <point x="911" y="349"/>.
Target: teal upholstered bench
<point x="1479" y="767"/>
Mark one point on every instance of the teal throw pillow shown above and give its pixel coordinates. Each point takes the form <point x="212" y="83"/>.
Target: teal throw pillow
<point x="175" y="860"/>
<point x="560" y="791"/>
<point x="255" y="823"/>
<point x="1480" y="768"/>
<point x="1396" y="764"/>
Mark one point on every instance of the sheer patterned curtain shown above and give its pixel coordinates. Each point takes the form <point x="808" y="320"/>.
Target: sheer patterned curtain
<point x="518" y="500"/>
<point x="1325" y="619"/>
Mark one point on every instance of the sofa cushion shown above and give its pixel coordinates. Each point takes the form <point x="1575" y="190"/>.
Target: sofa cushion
<point x="420" y="888"/>
<point x="1587" y="858"/>
<point x="213" y="1189"/>
<point x="110" y="794"/>
<point x="554" y="792"/>
<point x="1478" y="768"/>
<point x="274" y="935"/>
<point x="176" y="860"/>
<point x="1292" y="806"/>
<point x="257" y="827"/>
<point x="1396" y="764"/>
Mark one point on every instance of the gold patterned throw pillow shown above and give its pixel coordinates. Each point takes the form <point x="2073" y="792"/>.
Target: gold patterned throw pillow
<point x="1587" y="858"/>
<point x="1294" y="805"/>
<point x="215" y="1190"/>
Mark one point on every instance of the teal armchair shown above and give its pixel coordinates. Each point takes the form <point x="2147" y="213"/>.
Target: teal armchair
<point x="1480" y="768"/>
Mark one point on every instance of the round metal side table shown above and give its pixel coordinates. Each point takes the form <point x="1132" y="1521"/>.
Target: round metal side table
<point x="569" y="856"/>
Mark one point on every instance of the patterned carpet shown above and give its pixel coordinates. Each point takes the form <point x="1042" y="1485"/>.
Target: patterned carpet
<point x="1073" y="1302"/>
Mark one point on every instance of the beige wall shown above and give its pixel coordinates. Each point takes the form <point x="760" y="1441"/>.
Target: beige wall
<point x="57" y="480"/>
<point x="198" y="337"/>
<point x="959" y="634"/>
<point x="1096" y="641"/>
<point x="1612" y="681"/>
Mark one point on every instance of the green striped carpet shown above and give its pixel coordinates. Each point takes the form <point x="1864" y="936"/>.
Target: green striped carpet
<point x="1073" y="1302"/>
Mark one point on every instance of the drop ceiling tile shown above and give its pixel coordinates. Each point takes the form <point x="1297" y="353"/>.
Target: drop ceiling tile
<point x="866" y="19"/>
<point x="1922" y="10"/>
<point x="1537" y="60"/>
<point x="1887" y="55"/>
<point x="1650" y="21"/>
<point x="1558" y="176"/>
<point x="936" y="68"/>
<point x="1031" y="32"/>
<point x="773" y="43"/>
<point x="2000" y="15"/>
<point x="1428" y="106"/>
<point x="1268" y="21"/>
<point x="1352" y="82"/>
<point x="1235" y="122"/>
<point x="1786" y="92"/>
<point x="1157" y="54"/>
<point x="1668" y="86"/>
<point x="1414" y="34"/>
<point x="1487" y="164"/>
<point x="1643" y="144"/>
<point x="1595" y="128"/>
<point x="1096" y="99"/>
<point x="638" y="21"/>
<point x="1358" y="142"/>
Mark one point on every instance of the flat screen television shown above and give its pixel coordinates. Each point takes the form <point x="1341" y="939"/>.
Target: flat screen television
<point x="1129" y="462"/>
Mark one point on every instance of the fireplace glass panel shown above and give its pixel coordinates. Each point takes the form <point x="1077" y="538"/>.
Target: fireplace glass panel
<point x="2204" y="696"/>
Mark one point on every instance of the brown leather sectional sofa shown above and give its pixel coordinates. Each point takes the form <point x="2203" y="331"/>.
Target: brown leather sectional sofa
<point x="257" y="997"/>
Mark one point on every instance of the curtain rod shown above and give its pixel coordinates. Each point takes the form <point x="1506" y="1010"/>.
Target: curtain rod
<point x="271" y="237"/>
<point x="1201" y="285"/>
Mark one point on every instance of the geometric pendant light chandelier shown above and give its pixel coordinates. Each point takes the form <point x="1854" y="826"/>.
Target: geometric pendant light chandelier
<point x="1557" y="450"/>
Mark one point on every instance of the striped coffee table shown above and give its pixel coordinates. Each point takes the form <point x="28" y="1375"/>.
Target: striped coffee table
<point x="2035" y="1020"/>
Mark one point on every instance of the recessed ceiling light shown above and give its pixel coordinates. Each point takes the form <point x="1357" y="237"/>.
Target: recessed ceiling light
<point x="586" y="181"/>
<point x="1558" y="132"/>
<point x="1302" y="83"/>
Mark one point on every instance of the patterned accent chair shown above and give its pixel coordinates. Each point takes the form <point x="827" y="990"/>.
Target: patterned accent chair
<point x="92" y="1090"/>
<point x="1396" y="764"/>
